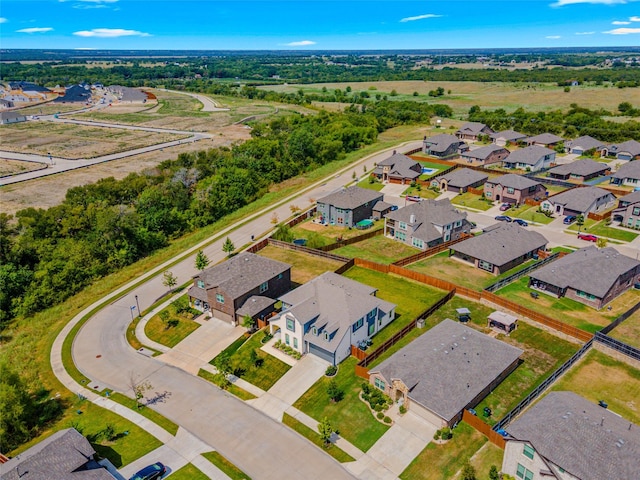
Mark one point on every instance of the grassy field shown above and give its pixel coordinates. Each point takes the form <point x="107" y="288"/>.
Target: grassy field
<point x="378" y="249"/>
<point x="305" y="266"/>
<point x="167" y="335"/>
<point x="488" y="455"/>
<point x="628" y="331"/>
<point x="601" y="229"/>
<point x="471" y="200"/>
<point x="188" y="472"/>
<point x="233" y="472"/>
<point x="328" y="234"/>
<point x="13" y="167"/>
<point x="442" y="462"/>
<point x="241" y="393"/>
<point x="350" y="416"/>
<point x="600" y="377"/>
<point x="312" y="435"/>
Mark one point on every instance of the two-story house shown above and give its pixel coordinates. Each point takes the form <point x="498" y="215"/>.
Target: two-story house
<point x="443" y="145"/>
<point x="628" y="211"/>
<point x="579" y="201"/>
<point x="472" y="130"/>
<point x="531" y="159"/>
<point x="398" y="168"/>
<point x="627" y="175"/>
<point x="347" y="206"/>
<point x="512" y="188"/>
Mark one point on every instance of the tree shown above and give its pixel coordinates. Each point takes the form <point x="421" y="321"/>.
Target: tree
<point x="468" y="472"/>
<point x="249" y="322"/>
<point x="493" y="473"/>
<point x="580" y="222"/>
<point x="223" y="363"/>
<point x="202" y="261"/>
<point x="335" y="392"/>
<point x="601" y="242"/>
<point x="138" y="388"/>
<point x="294" y="209"/>
<point x="283" y="233"/>
<point x="169" y="280"/>
<point x="325" y="429"/>
<point x="274" y="218"/>
<point x="228" y="247"/>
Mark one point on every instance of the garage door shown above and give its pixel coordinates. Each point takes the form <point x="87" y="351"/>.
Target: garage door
<point x="322" y="353"/>
<point x="577" y="151"/>
<point x="426" y="414"/>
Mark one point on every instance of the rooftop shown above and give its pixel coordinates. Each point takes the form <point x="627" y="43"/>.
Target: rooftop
<point x="630" y="146"/>
<point x="401" y="166"/>
<point x="508" y="135"/>
<point x="351" y="197"/>
<point x="483" y="152"/>
<point x="628" y="170"/>
<point x="426" y="216"/>
<point x="441" y="142"/>
<point x="463" y="177"/>
<point x="528" y="155"/>
<point x="586" y="142"/>
<point x="579" y="199"/>
<point x="581" y="168"/>
<point x="545" y="139"/>
<point x="513" y="180"/>
<point x="473" y="128"/>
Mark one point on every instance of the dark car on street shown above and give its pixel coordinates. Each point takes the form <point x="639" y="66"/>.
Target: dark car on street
<point x="520" y="222"/>
<point x="569" y="219"/>
<point x="151" y="472"/>
<point x="504" y="218"/>
<point x="588" y="237"/>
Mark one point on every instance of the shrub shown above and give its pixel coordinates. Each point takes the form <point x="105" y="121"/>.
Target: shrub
<point x="446" y="434"/>
<point x="387" y="419"/>
<point x="380" y="415"/>
<point x="402" y="409"/>
<point x="366" y="388"/>
<point x="436" y="436"/>
<point x="378" y="408"/>
<point x="331" y="370"/>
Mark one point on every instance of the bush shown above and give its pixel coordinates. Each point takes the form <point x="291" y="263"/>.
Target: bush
<point x="378" y="408"/>
<point x="331" y="371"/>
<point x="402" y="409"/>
<point x="380" y="415"/>
<point x="436" y="436"/>
<point x="446" y="434"/>
<point x="387" y="419"/>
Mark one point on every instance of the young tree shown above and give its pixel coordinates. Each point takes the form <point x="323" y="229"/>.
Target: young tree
<point x="202" y="261"/>
<point x="335" y="392"/>
<point x="169" y="280"/>
<point x="493" y="473"/>
<point x="223" y="363"/>
<point x="228" y="247"/>
<point x="283" y="233"/>
<point x="294" y="209"/>
<point x="601" y="242"/>
<point x="138" y="388"/>
<point x="580" y="222"/>
<point x="274" y="218"/>
<point x="325" y="430"/>
<point x="468" y="472"/>
<point x="249" y="322"/>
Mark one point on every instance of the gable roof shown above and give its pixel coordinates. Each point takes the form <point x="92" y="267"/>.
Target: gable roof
<point x="513" y="180"/>
<point x="472" y="128"/>
<point x="502" y="244"/>
<point x="381" y="206"/>
<point x="508" y="135"/>
<point x="400" y="165"/>
<point x="11" y="115"/>
<point x="242" y="273"/>
<point x="586" y="440"/>
<point x="633" y="197"/>
<point x="75" y="93"/>
<point x="545" y="139"/>
<point x="586" y="142"/>
<point x="254" y="305"/>
<point x="483" y="152"/>
<point x="628" y="170"/>
<point x="589" y="269"/>
<point x="463" y="177"/>
<point x="442" y="142"/>
<point x="55" y="458"/>
<point x="427" y="214"/>
<point x="580" y="198"/>
<point x="582" y="168"/>
<point x="446" y="367"/>
<point x="630" y="146"/>
<point x="28" y="87"/>
<point x="528" y="155"/>
<point x="351" y="197"/>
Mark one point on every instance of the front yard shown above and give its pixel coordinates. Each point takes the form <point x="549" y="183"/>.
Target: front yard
<point x="305" y="267"/>
<point x="173" y="324"/>
<point x="422" y="192"/>
<point x="472" y="200"/>
<point x="378" y="249"/>
<point x="530" y="214"/>
<point x="369" y="185"/>
<point x="600" y="228"/>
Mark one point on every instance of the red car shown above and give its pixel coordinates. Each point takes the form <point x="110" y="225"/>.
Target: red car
<point x="588" y="237"/>
<point x="504" y="207"/>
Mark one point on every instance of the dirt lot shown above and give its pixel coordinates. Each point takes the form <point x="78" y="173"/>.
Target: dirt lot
<point x="12" y="167"/>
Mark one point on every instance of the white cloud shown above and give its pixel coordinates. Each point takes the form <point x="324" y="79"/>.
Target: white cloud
<point x="419" y="17"/>
<point x="620" y="22"/>
<point x="302" y="43"/>
<point x="553" y="37"/>
<point x="35" y="30"/>
<point x="623" y="31"/>
<point x="88" y="1"/>
<point x="585" y="33"/>
<point x="634" y="19"/>
<point x="562" y="3"/>
<point x="3" y="20"/>
<point x="110" y="33"/>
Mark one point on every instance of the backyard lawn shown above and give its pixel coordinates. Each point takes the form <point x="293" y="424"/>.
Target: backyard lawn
<point x="378" y="249"/>
<point x="488" y="455"/>
<point x="304" y="266"/>
<point x="601" y="229"/>
<point x="600" y="377"/>
<point x="472" y="200"/>
<point x="329" y="234"/>
<point x="628" y="331"/>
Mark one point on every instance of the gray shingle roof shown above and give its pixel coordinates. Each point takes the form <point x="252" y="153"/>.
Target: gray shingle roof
<point x="502" y="244"/>
<point x="628" y="170"/>
<point x="586" y="142"/>
<point x="447" y="366"/>
<point x="579" y="199"/>
<point x="545" y="139"/>
<point x="463" y="177"/>
<point x="441" y="142"/>
<point x="508" y="135"/>
<point x="630" y="146"/>
<point x="254" y="305"/>
<point x="633" y="197"/>
<point x="580" y="167"/>
<point x="428" y="213"/>
<point x="381" y="206"/>
<point x="483" y="152"/>
<point x="351" y="197"/>
<point x="472" y="128"/>
<point x="242" y="273"/>
<point x="584" y="439"/>
<point x="400" y="166"/>
<point x="11" y="115"/>
<point x="528" y="155"/>
<point x="55" y="458"/>
<point x="28" y="87"/>
<point x="589" y="269"/>
<point x="512" y="180"/>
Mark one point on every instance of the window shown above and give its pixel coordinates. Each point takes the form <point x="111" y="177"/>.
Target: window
<point x="485" y="266"/>
<point x="586" y="295"/>
<point x="219" y="298"/>
<point x="401" y="236"/>
<point x="416" y="242"/>
<point x="264" y="287"/>
<point x="458" y="223"/>
<point x="524" y="473"/>
<point x="200" y="283"/>
<point x="356" y="326"/>
<point x="372" y="314"/>
<point x="286" y="338"/>
<point x="379" y="384"/>
<point x="279" y="276"/>
<point x="291" y="325"/>
<point x="510" y="190"/>
<point x="636" y="211"/>
<point x="326" y="336"/>
<point x="528" y="451"/>
<point x="402" y="226"/>
<point x="487" y="194"/>
<point x="532" y="189"/>
<point x="295" y="342"/>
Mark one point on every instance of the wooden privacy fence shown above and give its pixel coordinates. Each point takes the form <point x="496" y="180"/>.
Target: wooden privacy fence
<point x="599" y="216"/>
<point x="349" y="241"/>
<point x="310" y="251"/>
<point x="484" y="428"/>
<point x="476" y="191"/>
<point x="340" y="270"/>
<point x="428" y="252"/>
<point x="302" y="217"/>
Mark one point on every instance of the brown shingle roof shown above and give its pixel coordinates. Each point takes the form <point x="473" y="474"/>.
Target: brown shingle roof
<point x="351" y="197"/>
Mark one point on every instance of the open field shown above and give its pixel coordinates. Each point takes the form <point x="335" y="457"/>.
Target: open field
<point x="600" y="377"/>
<point x="13" y="167"/>
<point x="49" y="108"/>
<point x="75" y="141"/>
<point x="379" y="249"/>
<point x="305" y="266"/>
<point x="628" y="331"/>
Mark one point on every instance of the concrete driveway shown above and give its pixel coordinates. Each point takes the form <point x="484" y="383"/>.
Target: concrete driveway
<point x="394" y="189"/>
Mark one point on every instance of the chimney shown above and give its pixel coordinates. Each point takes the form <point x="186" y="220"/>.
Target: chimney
<point x="394" y="152"/>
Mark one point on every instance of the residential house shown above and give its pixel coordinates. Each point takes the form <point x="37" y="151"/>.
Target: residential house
<point x="6" y="103"/>
<point x="566" y="437"/>
<point x="11" y="117"/>
<point x="627" y="174"/>
<point x="28" y="87"/>
<point x="580" y="170"/>
<point x="443" y="145"/>
<point x="329" y="314"/>
<point x="472" y="130"/>
<point x="629" y="150"/>
<point x="531" y="159"/>
<point x="506" y="137"/>
<point x="628" y="211"/>
<point x="579" y="201"/>
<point x="128" y="94"/>
<point x="590" y="275"/>
<point x="444" y="371"/>
<point x="380" y="209"/>
<point x="512" y="188"/>
<point x="501" y="248"/>
<point x="486" y="155"/>
<point x="460" y="180"/>
<point x="544" y="140"/>
<point x="347" y="206"/>
<point x="583" y="144"/>
<point x="75" y="94"/>
<point x="398" y="168"/>
<point x="62" y="456"/>
<point x="426" y="224"/>
<point x="246" y="284"/>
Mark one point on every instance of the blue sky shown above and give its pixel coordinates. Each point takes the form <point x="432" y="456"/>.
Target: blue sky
<point x="317" y="24"/>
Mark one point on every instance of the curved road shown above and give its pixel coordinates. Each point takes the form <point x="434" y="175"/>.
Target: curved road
<point x="262" y="447"/>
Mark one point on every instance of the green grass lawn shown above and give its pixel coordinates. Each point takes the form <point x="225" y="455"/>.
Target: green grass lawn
<point x="328" y="234"/>
<point x="471" y="200"/>
<point x="350" y="416"/>
<point x="233" y="472"/>
<point x="442" y="462"/>
<point x="530" y="214"/>
<point x="241" y="393"/>
<point x="600" y="228"/>
<point x="600" y="377"/>
<point x="628" y="331"/>
<point x="422" y="192"/>
<point x="365" y="183"/>
<point x="305" y="267"/>
<point x="312" y="435"/>
<point x="488" y="455"/>
<point x="167" y="335"/>
<point x="146" y="412"/>
<point x="188" y="472"/>
<point x="378" y="249"/>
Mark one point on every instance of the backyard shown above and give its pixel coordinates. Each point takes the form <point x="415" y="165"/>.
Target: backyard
<point x="421" y="191"/>
<point x="471" y="200"/>
<point x="628" y="331"/>
<point x="328" y="234"/>
<point x="304" y="266"/>
<point x="380" y="249"/>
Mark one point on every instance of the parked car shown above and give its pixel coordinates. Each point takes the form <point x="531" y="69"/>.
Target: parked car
<point x="504" y="218"/>
<point x="151" y="472"/>
<point x="520" y="222"/>
<point x="504" y="207"/>
<point x="588" y="237"/>
<point x="393" y="208"/>
<point x="569" y="219"/>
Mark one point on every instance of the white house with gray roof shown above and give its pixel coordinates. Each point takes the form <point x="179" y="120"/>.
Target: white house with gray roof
<point x="532" y="158"/>
<point x="327" y="315"/>
<point x="460" y="180"/>
<point x="627" y="175"/>
<point x="507" y="136"/>
<point x="426" y="224"/>
<point x="579" y="201"/>
<point x="566" y="437"/>
<point x="629" y="150"/>
<point x="347" y="206"/>
<point x="583" y="144"/>
<point x="544" y="140"/>
<point x="444" y="371"/>
<point x="11" y="117"/>
<point x="628" y="211"/>
<point x="398" y="168"/>
<point x="590" y="275"/>
<point x="580" y="170"/>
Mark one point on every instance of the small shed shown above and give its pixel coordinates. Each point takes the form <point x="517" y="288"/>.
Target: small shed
<point x="464" y="314"/>
<point x="503" y="322"/>
<point x="380" y="209"/>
